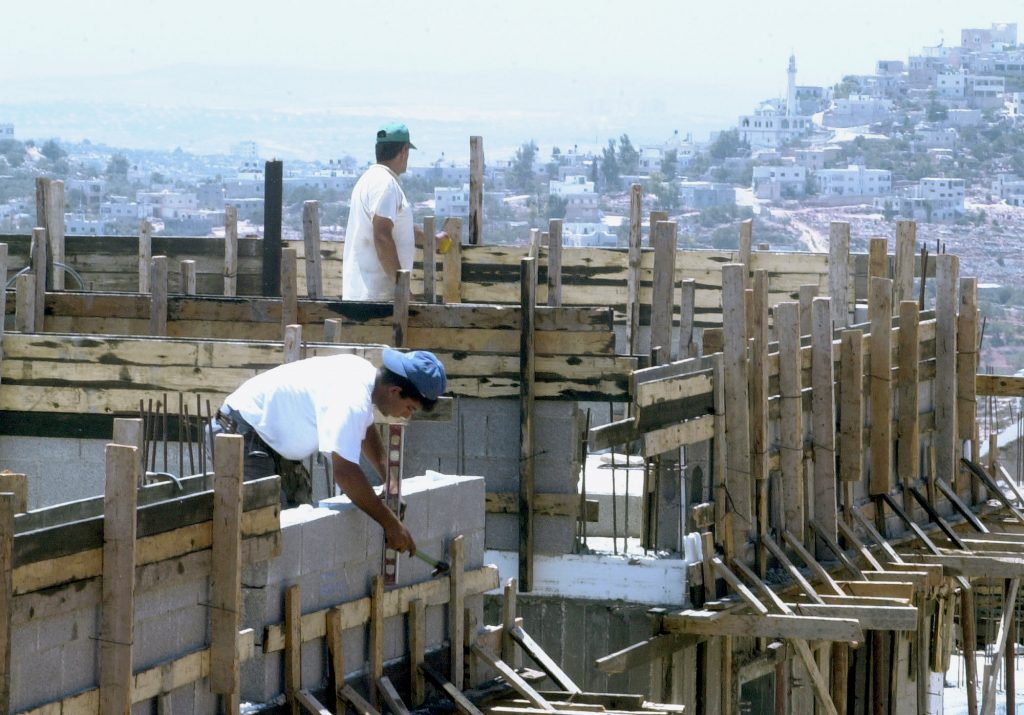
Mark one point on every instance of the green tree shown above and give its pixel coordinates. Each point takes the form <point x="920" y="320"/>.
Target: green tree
<point x="52" y="150"/>
<point x="610" y="166"/>
<point x="556" y="206"/>
<point x="117" y="167"/>
<point x="13" y="151"/>
<point x="670" y="164"/>
<point x="629" y="157"/>
<point x="521" y="172"/>
<point x="728" y="144"/>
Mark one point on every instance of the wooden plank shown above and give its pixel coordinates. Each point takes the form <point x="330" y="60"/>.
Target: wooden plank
<point x="7" y="509"/>
<point x="738" y="586"/>
<point x="456" y="609"/>
<point x="852" y="540"/>
<point x="336" y="653"/>
<point x="230" y="271"/>
<point x="158" y="297"/>
<point x="880" y="313"/>
<point x="773" y="625"/>
<point x="662" y="440"/>
<point x="226" y="570"/>
<point x="25" y="303"/>
<point x="823" y="417"/>
<point x="839" y="272"/>
<point x="527" y="376"/>
<point x="736" y="408"/>
<point x="118" y="604"/>
<point x="509" y="653"/>
<point x="658" y="646"/>
<point x="311" y="241"/>
<point x="988" y="698"/>
<point x="462" y="703"/>
<point x="878" y="258"/>
<point x="542" y="659"/>
<point x="430" y="250"/>
<point x="745" y="246"/>
<point x="187" y="280"/>
<point x="17" y="486"/>
<point x="759" y="407"/>
<point x="871" y="618"/>
<point x="476" y="190"/>
<point x="400" y="316"/>
<point x="907" y="377"/>
<point x="833" y="546"/>
<point x="293" y="645"/>
<point x="633" y="272"/>
<point x="999" y="385"/>
<point x="664" y="241"/>
<point x="944" y="395"/>
<point x="544" y="505"/>
<point x="687" y="303"/>
<point x="289" y="287"/>
<point x="512" y="678"/>
<point x="41" y="257"/>
<point x="906" y="246"/>
<point x="453" y="262"/>
<point x="55" y="235"/>
<point x="357" y="701"/>
<point x="967" y="366"/>
<point x="555" y="263"/>
<point x="145" y="254"/>
<point x="376" y="647"/>
<point x="310" y="704"/>
<point x="417" y="649"/>
<point x="292" y="343"/>
<point x="851" y="411"/>
<point x="391" y="697"/>
<point x="792" y="570"/>
<point x="807" y="294"/>
<point x="812" y="563"/>
<point x="791" y="424"/>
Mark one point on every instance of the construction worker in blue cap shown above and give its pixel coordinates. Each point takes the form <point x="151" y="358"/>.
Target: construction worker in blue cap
<point x="326" y="404"/>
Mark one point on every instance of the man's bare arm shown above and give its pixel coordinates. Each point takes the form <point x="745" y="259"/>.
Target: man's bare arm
<point x="384" y="244"/>
<point x="373" y="450"/>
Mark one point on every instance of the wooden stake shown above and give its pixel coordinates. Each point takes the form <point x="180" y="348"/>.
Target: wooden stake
<point x="332" y="330"/>
<point x="289" y="287"/>
<point x="7" y="509"/>
<point x="807" y="294"/>
<point x="118" y="609"/>
<point x="230" y="250"/>
<point x="453" y="262"/>
<point x="292" y="644"/>
<point x="555" y="263"/>
<point x="759" y="408"/>
<point x="745" y="248"/>
<point x="878" y="258"/>
<point x="791" y="436"/>
<point x="311" y="242"/>
<point x="944" y="395"/>
<point x="292" y="343"/>
<point x="158" y="296"/>
<point x="823" y="419"/>
<point x="737" y="415"/>
<point x="880" y="313"/>
<point x="55" y="233"/>
<point x="400" y="315"/>
<point x="907" y="444"/>
<point x="377" y="638"/>
<point x="476" y="190"/>
<point x="145" y="254"/>
<point x="687" y="307"/>
<point x="16" y="485"/>
<point x="188" y="277"/>
<point x="40" y="257"/>
<point x="633" y="274"/>
<point x="456" y="606"/>
<point x="527" y="376"/>
<point x="25" y="303"/>
<point x="906" y="243"/>
<point x="429" y="260"/>
<point x="129" y="432"/>
<point x="336" y="651"/>
<point x="851" y="412"/>
<point x="509" y="653"/>
<point x="839" y="272"/>
<point x="664" y="235"/>
<point x="966" y="369"/>
<point x="226" y="564"/>
<point x="417" y="646"/>
<point x="988" y="699"/>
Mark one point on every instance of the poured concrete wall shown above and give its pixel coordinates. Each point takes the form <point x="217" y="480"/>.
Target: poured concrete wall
<point x="331" y="552"/>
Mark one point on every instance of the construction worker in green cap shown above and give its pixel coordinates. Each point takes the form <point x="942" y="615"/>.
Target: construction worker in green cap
<point x="381" y="237"/>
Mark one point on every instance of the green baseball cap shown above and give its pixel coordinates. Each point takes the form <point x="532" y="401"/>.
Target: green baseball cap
<point x="394" y="132"/>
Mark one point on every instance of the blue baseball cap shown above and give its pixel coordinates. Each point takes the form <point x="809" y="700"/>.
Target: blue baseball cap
<point x="394" y="132"/>
<point x="421" y="368"/>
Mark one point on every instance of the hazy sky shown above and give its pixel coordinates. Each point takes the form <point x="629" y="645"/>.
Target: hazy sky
<point x="702" y="63"/>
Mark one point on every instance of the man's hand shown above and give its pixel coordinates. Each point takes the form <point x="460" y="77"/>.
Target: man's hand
<point x="399" y="538"/>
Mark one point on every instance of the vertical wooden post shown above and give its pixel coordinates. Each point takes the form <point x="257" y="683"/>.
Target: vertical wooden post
<point x="907" y="447"/>
<point x="453" y="262"/>
<point x="906" y="241"/>
<point x="118" y="609"/>
<point x="687" y="309"/>
<point x="456" y="612"/>
<point x="946" y="269"/>
<point x="417" y="647"/>
<point x="759" y="409"/>
<point x="823" y="419"/>
<point x="40" y="258"/>
<point x="878" y="258"/>
<point x="719" y="469"/>
<point x="400" y="314"/>
<point x="16" y="484"/>
<point x="3" y="299"/>
<point x="851" y="412"/>
<point x="289" y="287"/>
<point x="746" y="248"/>
<point x="293" y="646"/>
<point x="737" y="414"/>
<point x="230" y="250"/>
<point x="377" y="638"/>
<point x="145" y="254"/>
<point x="226" y="566"/>
<point x="273" y="197"/>
<point x="55" y="232"/>
<point x="969" y="632"/>
<point x="509" y="653"/>
<point x="429" y="261"/>
<point x="966" y="369"/>
<point x="158" y="296"/>
<point x="188" y="277"/>
<point x="839" y="272"/>
<point x="880" y="313"/>
<point x="840" y="675"/>
<point x="791" y="429"/>
<point x="527" y="375"/>
<point x="332" y="330"/>
<point x="654" y="217"/>
<point x="292" y="343"/>
<point x="555" y="263"/>
<point x="633" y="273"/>
<point x="476" y="190"/>
<point x="1003" y="637"/>
<point x="44" y="269"/>
<point x="25" y="303"/>
<point x="336" y="651"/>
<point x="807" y="294"/>
<point x="311" y="242"/>
<point x="128" y="431"/>
<point x="7" y="510"/>
<point x="664" y="242"/>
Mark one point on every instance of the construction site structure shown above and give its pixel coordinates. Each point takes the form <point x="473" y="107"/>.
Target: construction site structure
<point x="821" y="529"/>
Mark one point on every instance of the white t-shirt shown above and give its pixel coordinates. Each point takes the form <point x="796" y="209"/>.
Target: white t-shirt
<point x="318" y="404"/>
<point x="376" y="193"/>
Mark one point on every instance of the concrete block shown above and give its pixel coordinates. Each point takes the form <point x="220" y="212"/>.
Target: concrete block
<point x="355" y="643"/>
<point x="193" y="626"/>
<point x="182" y="700"/>
<point x="255" y="575"/>
<point x="148" y="707"/>
<point x="177" y="594"/>
<point x="205" y="701"/>
<point x="254" y="607"/>
<point x="320" y="547"/>
<point x="80" y="661"/>
<point x="288" y="566"/>
<point x="501" y="473"/>
<point x="156" y="640"/>
<point x="314" y="664"/>
<point x="436" y="627"/>
<point x="502" y="532"/>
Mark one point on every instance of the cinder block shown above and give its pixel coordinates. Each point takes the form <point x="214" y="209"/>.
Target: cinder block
<point x="155" y="640"/>
<point x="314" y="664"/>
<point x="193" y="626"/>
<point x="319" y="544"/>
<point x="254" y="607"/>
<point x="436" y="625"/>
<point x="501" y="473"/>
<point x="354" y="642"/>
<point x="288" y="566"/>
<point x="205" y="701"/>
<point x="148" y="707"/>
<point x="255" y="575"/>
<point x="182" y="700"/>
<point x="80" y="660"/>
<point x="156" y="602"/>
<point x="394" y="637"/>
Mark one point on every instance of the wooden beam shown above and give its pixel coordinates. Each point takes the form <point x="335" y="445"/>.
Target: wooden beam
<point x="791" y="431"/>
<point x="633" y="272"/>
<point x="158" y="296"/>
<point x="642" y="653"/>
<point x="976" y="565"/>
<point x="687" y="303"/>
<point x="17" y="486"/>
<point x="336" y="653"/>
<point x="883" y="544"/>
<point x="663" y="239"/>
<point x="907" y="379"/>
<point x="391" y="697"/>
<point x="906" y="245"/>
<point x="230" y="250"/>
<point x="737" y="407"/>
<point x="555" y="262"/>
<point x="839" y="272"/>
<point x="400" y="316"/>
<point x="988" y="698"/>
<point x="311" y="243"/>
<point x="792" y="570"/>
<point x="871" y="618"/>
<point x="377" y="637"/>
<point x="226" y="567"/>
<point x="145" y="254"/>
<point x="40" y="258"/>
<point x="880" y="313"/>
<point x="834" y="547"/>
<point x="542" y="659"/>
<point x="25" y="303"/>
<point x="527" y="376"/>
<point x="476" y="190"/>
<point x="462" y="703"/>
<point x="312" y="705"/>
<point x="7" y="509"/>
<point x="118" y="605"/>
<point x="429" y="260"/>
<point x="738" y="586"/>
<point x="187" y="277"/>
<point x="851" y="412"/>
<point x="289" y="287"/>
<point x="823" y="417"/>
<point x="759" y="439"/>
<point x="357" y="701"/>
<point x="453" y="262"/>
<point x="816" y="568"/>
<point x="944" y="391"/>
<point x="293" y="645"/>
<point x="852" y="540"/>
<point x="512" y="678"/>
<point x="456" y="609"/>
<point x="745" y="248"/>
<point x="719" y="623"/>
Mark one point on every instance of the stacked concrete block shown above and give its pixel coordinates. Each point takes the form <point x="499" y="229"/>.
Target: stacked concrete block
<point x="486" y="433"/>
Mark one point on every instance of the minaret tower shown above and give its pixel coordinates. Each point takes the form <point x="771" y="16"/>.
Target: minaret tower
<point x="791" y="87"/>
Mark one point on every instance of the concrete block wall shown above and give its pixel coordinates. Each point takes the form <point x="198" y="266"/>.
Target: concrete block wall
<point x="486" y="433"/>
<point x="331" y="551"/>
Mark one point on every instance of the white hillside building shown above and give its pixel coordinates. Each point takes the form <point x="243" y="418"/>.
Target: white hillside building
<point x="776" y="123"/>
